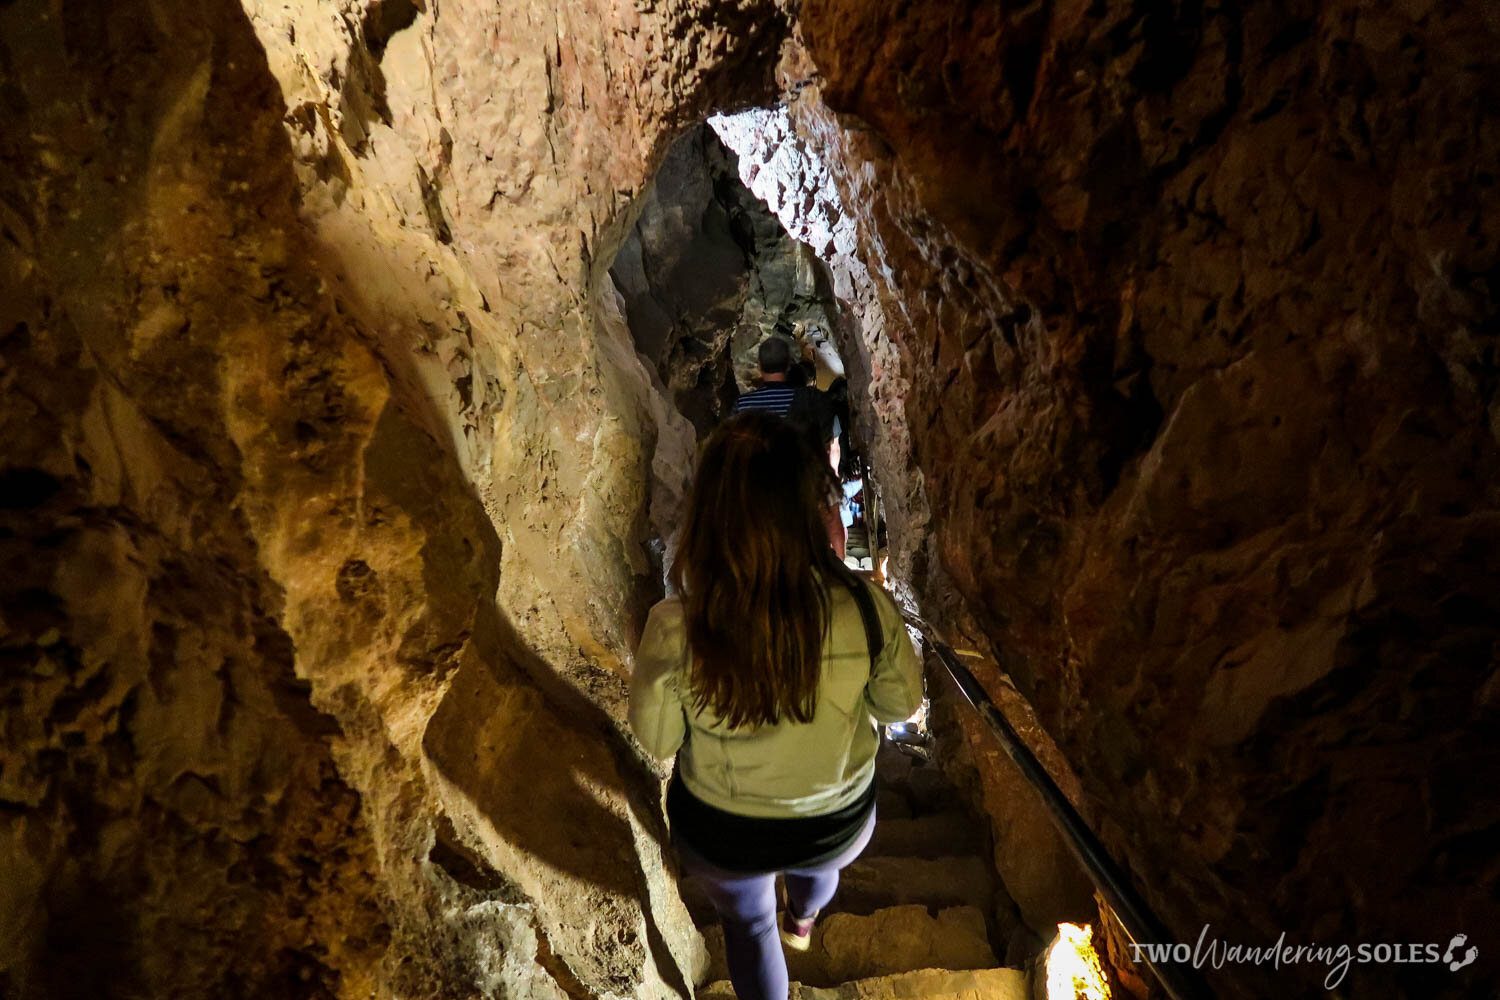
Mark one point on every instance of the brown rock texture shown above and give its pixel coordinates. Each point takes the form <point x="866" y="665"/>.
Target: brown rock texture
<point x="1192" y="309"/>
<point x="174" y="823"/>
<point x="327" y="478"/>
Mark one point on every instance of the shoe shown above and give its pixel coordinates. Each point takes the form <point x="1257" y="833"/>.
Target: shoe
<point x="797" y="934"/>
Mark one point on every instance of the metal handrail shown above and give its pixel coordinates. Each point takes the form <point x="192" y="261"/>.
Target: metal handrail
<point x="1132" y="911"/>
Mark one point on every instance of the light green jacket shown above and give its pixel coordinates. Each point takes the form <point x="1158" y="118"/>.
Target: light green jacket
<point x="788" y="769"/>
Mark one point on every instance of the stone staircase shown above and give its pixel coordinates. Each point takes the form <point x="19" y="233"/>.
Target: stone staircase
<point x="917" y="916"/>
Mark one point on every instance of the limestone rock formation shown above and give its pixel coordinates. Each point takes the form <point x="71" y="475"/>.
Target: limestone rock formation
<point x="327" y="484"/>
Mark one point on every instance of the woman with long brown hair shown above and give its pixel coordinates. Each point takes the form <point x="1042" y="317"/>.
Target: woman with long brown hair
<point x="767" y="676"/>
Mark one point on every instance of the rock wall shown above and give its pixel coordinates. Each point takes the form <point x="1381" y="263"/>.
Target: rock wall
<point x="327" y="476"/>
<point x="173" y="821"/>
<point x="707" y="272"/>
<point x="1190" y="314"/>
<point x="469" y="174"/>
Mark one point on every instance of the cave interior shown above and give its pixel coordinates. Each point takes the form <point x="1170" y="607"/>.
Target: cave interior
<point x="354" y="355"/>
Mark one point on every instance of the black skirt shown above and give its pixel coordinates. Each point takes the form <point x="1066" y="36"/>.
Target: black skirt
<point x="748" y="844"/>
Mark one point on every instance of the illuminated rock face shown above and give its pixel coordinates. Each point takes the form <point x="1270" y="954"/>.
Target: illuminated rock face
<point x="330" y="467"/>
<point x="327" y="487"/>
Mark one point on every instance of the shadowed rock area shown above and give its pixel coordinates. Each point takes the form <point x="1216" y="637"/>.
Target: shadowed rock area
<point x="1197" y="341"/>
<point x="352" y="358"/>
<point x="708" y="272"/>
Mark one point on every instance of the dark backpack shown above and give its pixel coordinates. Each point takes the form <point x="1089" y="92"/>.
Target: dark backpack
<point x="812" y="412"/>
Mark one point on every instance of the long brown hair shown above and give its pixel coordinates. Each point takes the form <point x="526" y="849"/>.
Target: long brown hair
<point x="753" y="566"/>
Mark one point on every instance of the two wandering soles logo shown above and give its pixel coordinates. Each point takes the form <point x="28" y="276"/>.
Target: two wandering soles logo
<point x="1216" y="953"/>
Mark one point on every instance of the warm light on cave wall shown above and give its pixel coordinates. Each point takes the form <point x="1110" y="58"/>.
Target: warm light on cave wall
<point x="1073" y="968"/>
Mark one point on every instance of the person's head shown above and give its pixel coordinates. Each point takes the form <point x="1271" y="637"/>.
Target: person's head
<point x="796" y="376"/>
<point x="774" y="356"/>
<point x="752" y="568"/>
<point x="838" y="391"/>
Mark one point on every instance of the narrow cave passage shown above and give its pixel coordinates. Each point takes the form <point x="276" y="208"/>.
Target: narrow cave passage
<point x="705" y="277"/>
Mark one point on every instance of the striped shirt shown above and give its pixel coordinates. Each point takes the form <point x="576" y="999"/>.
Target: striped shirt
<point x="774" y="397"/>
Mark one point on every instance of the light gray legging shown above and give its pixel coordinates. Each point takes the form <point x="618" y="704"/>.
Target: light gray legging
<point x="747" y="909"/>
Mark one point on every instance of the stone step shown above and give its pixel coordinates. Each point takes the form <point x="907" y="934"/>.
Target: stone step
<point x="928" y="984"/>
<point x="923" y="786"/>
<point x="873" y="883"/>
<point x="897" y="939"/>
<point x="892" y="804"/>
<point x="922" y="984"/>
<point x="876" y="881"/>
<point x="930" y="790"/>
<point x="938" y="835"/>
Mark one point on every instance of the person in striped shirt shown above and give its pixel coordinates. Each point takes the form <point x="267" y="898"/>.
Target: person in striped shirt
<point x="775" y="394"/>
<point x="806" y="407"/>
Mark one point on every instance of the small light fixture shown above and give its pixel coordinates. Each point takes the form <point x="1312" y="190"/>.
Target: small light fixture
<point x="1074" y="971"/>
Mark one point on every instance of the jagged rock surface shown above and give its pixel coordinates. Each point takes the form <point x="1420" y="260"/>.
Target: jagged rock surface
<point x="1190" y="316"/>
<point x="328" y="478"/>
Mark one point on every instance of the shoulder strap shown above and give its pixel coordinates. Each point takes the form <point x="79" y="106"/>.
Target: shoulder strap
<point x="874" y="635"/>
